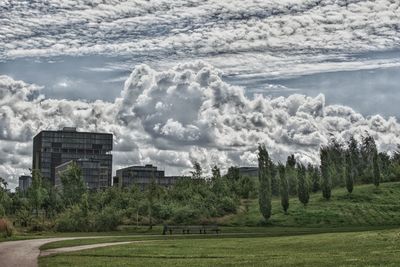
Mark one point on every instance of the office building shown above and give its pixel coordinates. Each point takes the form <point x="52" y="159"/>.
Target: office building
<point x="24" y="182"/>
<point x="248" y="171"/>
<point x="94" y="175"/>
<point x="53" y="148"/>
<point x="142" y="176"/>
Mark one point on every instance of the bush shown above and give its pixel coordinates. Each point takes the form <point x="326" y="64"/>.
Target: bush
<point x="6" y="228"/>
<point x="73" y="220"/>
<point x="107" y="220"/>
<point x="227" y="205"/>
<point x="185" y="215"/>
<point x="23" y="217"/>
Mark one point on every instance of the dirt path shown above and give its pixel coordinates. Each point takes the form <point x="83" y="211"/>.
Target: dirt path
<point x="77" y="248"/>
<point x="23" y="252"/>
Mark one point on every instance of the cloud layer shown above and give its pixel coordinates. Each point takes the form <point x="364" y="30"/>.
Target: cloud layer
<point x="48" y="28"/>
<point x="186" y="113"/>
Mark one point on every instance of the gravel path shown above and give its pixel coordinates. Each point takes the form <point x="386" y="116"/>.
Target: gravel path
<point x="25" y="253"/>
<point x="77" y="248"/>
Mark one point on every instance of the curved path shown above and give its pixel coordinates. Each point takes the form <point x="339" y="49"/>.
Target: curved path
<point x="25" y="253"/>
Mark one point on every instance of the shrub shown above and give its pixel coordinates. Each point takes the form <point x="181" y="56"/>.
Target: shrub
<point x="185" y="215"/>
<point x="6" y="228"/>
<point x="107" y="220"/>
<point x="23" y="217"/>
<point x="227" y="205"/>
<point x="73" y="220"/>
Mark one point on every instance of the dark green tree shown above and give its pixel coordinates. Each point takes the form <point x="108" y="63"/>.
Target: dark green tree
<point x="302" y="187"/>
<point x="368" y="150"/>
<point x="264" y="176"/>
<point x="315" y="179"/>
<point x="349" y="172"/>
<point x="353" y="149"/>
<point x="377" y="172"/>
<point x="291" y="174"/>
<point x="326" y="184"/>
<point x="284" y="188"/>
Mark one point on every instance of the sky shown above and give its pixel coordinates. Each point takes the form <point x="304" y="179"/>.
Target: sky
<point x="183" y="81"/>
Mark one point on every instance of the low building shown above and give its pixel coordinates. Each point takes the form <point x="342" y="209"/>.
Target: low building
<point x="142" y="176"/>
<point x="94" y="173"/>
<point x="24" y="182"/>
<point x="248" y="171"/>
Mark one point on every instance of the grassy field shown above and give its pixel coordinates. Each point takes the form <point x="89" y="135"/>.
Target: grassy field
<point x="370" y="248"/>
<point x="366" y="206"/>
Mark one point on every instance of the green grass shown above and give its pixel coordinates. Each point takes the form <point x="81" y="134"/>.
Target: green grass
<point x="371" y="248"/>
<point x="366" y="206"/>
<point x="227" y="232"/>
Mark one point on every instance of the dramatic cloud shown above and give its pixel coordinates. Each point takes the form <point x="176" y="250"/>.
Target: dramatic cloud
<point x="186" y="113"/>
<point x="175" y="29"/>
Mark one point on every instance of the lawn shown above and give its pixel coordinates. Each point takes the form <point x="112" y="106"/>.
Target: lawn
<point x="370" y="248"/>
<point x="366" y="206"/>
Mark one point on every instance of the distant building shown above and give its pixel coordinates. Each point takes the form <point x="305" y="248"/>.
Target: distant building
<point x="94" y="174"/>
<point x="53" y="148"/>
<point x="248" y="171"/>
<point x="142" y="176"/>
<point x="24" y="182"/>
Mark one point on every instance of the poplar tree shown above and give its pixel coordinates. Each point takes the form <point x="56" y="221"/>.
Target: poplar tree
<point x="302" y="187"/>
<point x="377" y="172"/>
<point x="291" y="174"/>
<point x="349" y="172"/>
<point x="264" y="176"/>
<point x="326" y="183"/>
<point x="284" y="188"/>
<point x="315" y="177"/>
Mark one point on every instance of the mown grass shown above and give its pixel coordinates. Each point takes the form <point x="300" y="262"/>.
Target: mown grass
<point x="371" y="248"/>
<point x="227" y="232"/>
<point x="366" y="206"/>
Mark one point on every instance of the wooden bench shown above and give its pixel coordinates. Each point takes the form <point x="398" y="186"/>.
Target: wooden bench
<point x="191" y="229"/>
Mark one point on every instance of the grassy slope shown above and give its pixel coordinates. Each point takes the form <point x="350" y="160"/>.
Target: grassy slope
<point x="374" y="248"/>
<point x="366" y="206"/>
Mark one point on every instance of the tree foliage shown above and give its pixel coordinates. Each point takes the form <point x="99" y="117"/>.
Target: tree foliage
<point x="284" y="188"/>
<point x="302" y="188"/>
<point x="264" y="196"/>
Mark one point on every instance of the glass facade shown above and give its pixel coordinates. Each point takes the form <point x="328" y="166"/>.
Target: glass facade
<point x="142" y="176"/>
<point x="53" y="148"/>
<point x="94" y="174"/>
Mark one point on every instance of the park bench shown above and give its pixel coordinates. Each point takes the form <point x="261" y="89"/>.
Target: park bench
<point x="191" y="229"/>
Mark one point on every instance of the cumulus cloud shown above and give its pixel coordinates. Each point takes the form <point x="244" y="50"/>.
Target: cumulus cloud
<point x="173" y="117"/>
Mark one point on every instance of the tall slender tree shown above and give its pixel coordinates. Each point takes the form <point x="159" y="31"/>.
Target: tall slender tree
<point x="284" y="188"/>
<point x="349" y="172"/>
<point x="291" y="174"/>
<point x="326" y="183"/>
<point x="315" y="179"/>
<point x="353" y="149"/>
<point x="264" y="176"/>
<point x="377" y="172"/>
<point x="302" y="187"/>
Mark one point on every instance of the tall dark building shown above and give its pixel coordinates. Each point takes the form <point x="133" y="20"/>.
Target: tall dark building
<point x="52" y="148"/>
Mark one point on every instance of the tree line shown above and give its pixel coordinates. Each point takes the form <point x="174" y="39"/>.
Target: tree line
<point x="341" y="165"/>
<point x="72" y="207"/>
